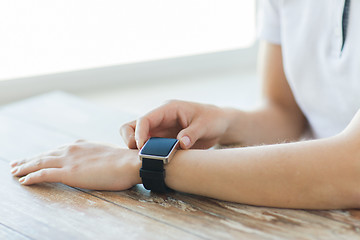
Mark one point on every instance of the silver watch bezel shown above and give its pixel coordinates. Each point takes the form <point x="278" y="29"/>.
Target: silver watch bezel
<point x="165" y="159"/>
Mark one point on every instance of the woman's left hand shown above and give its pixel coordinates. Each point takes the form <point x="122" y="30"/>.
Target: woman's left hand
<point x="84" y="165"/>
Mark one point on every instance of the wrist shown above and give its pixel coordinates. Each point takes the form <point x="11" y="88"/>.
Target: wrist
<point x="133" y="166"/>
<point x="236" y="122"/>
<point x="137" y="166"/>
<point x="136" y="169"/>
<point x="174" y="170"/>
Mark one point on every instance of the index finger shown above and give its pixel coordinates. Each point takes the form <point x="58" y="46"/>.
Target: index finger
<point x="150" y="121"/>
<point x="127" y="132"/>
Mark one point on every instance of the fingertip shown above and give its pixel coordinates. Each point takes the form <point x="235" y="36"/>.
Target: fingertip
<point x="22" y="180"/>
<point x="139" y="144"/>
<point x="185" y="142"/>
<point x="142" y="131"/>
<point x="127" y="133"/>
<point x="16" y="163"/>
<point x="13" y="164"/>
<point x="14" y="170"/>
<point x="43" y="175"/>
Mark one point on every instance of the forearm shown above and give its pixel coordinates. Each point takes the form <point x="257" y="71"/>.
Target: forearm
<point x="319" y="174"/>
<point x="280" y="119"/>
<point x="267" y="125"/>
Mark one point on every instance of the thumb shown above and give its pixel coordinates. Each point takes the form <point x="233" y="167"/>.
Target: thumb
<point x="189" y="136"/>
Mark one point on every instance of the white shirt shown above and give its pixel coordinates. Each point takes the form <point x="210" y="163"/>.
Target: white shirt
<point x="325" y="80"/>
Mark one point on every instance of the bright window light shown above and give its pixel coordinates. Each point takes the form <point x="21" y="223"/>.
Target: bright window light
<point x="42" y="36"/>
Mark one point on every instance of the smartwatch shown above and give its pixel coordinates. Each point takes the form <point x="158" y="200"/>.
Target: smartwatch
<point x="154" y="155"/>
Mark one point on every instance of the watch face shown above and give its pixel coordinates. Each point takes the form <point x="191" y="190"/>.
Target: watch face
<point x="158" y="146"/>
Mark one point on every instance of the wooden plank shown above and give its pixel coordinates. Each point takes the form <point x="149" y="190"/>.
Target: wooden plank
<point x="35" y="138"/>
<point x="55" y="211"/>
<point x="351" y="217"/>
<point x="215" y="219"/>
<point x="7" y="233"/>
<point x="184" y="214"/>
<point x="48" y="210"/>
<point x="295" y="223"/>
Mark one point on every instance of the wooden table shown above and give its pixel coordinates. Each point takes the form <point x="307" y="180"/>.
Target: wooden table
<point x="56" y="211"/>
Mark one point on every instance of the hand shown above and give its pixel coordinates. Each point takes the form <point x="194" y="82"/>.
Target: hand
<point x="84" y="165"/>
<point x="195" y="125"/>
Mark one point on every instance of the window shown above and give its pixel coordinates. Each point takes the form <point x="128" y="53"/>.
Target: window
<point x="42" y="37"/>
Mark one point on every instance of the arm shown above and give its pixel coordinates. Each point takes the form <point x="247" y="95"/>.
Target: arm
<point x="315" y="174"/>
<point x="202" y="126"/>
<point x="280" y="118"/>
<point x="318" y="174"/>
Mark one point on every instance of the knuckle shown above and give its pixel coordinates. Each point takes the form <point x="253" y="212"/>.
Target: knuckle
<point x="173" y="102"/>
<point x="52" y="159"/>
<point x="23" y="161"/>
<point x="39" y="162"/>
<point x="74" y="168"/>
<point x="130" y="136"/>
<point x="125" y="131"/>
<point x="124" y="127"/>
<point x="42" y="173"/>
<point x="143" y="120"/>
<point x="72" y="148"/>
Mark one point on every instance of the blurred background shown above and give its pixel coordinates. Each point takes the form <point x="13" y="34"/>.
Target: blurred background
<point x="130" y="55"/>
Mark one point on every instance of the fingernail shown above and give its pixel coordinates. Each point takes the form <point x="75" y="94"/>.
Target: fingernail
<point x="14" y="170"/>
<point x="13" y="163"/>
<point x="22" y="180"/>
<point x="186" y="141"/>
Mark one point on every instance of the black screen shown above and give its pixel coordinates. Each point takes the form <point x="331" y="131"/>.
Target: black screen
<point x="158" y="146"/>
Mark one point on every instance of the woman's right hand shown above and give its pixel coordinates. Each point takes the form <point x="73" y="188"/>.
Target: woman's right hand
<point x="195" y="125"/>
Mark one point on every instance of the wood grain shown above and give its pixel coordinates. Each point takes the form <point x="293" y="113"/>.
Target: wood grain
<point x="8" y="233"/>
<point x="56" y="211"/>
<point x="169" y="208"/>
<point x="240" y="221"/>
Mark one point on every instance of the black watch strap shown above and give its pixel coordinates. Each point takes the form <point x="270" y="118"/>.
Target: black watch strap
<point x="152" y="174"/>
